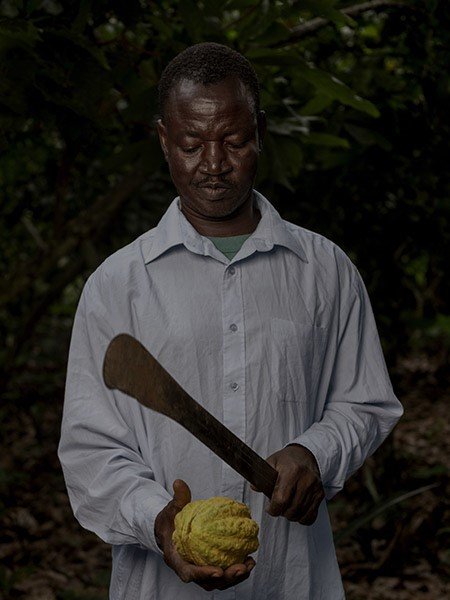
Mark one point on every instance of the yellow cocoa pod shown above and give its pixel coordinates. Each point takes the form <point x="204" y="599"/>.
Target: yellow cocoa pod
<point x="217" y="532"/>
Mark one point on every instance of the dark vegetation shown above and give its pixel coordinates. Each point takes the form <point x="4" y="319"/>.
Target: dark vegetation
<point x="357" y="101"/>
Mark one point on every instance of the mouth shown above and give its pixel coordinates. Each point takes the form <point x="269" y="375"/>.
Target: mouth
<point x="215" y="186"/>
<point x="214" y="190"/>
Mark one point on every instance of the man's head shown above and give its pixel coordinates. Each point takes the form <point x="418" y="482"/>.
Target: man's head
<point x="207" y="63"/>
<point x="211" y="128"/>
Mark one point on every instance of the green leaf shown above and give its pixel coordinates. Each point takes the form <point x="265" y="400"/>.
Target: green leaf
<point x="276" y="32"/>
<point x="367" y="137"/>
<point x="149" y="151"/>
<point x="15" y="33"/>
<point x="148" y="72"/>
<point x="428" y="472"/>
<point x="332" y="87"/>
<point x="378" y="510"/>
<point x="288" y="127"/>
<point x="316" y="105"/>
<point x="262" y="56"/>
<point x="194" y="21"/>
<point x="325" y="9"/>
<point x="143" y="105"/>
<point x="82" y="43"/>
<point x="326" y="139"/>
<point x="240" y="4"/>
<point x="51" y="7"/>
<point x="81" y="19"/>
<point x="162" y="26"/>
<point x="213" y="8"/>
<point x="256" y="23"/>
<point x="325" y="84"/>
<point x="10" y="8"/>
<point x="281" y="160"/>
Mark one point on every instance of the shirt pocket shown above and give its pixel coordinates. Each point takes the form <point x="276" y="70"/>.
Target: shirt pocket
<point x="296" y="356"/>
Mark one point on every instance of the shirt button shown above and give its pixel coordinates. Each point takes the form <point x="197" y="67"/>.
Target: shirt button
<point x="234" y="385"/>
<point x="233" y="327"/>
<point x="232" y="270"/>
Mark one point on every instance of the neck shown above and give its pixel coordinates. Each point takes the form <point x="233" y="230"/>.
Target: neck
<point x="243" y="220"/>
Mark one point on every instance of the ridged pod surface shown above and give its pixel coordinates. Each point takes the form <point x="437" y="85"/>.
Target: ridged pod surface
<point x="218" y="532"/>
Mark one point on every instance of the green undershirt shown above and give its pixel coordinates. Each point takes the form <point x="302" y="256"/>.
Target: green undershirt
<point x="229" y="246"/>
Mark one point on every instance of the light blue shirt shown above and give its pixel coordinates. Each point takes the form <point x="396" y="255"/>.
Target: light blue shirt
<point x="280" y="344"/>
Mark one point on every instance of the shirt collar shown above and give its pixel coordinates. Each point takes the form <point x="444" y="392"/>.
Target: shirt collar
<point x="174" y="229"/>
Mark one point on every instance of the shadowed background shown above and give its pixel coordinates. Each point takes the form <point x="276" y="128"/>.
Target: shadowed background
<point x="357" y="100"/>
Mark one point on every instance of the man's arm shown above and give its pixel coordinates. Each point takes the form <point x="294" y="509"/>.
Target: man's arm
<point x="361" y="408"/>
<point x="360" y="411"/>
<point x="111" y="490"/>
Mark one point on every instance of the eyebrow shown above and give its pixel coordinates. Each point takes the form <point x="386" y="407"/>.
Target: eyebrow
<point x="190" y="134"/>
<point x="194" y="134"/>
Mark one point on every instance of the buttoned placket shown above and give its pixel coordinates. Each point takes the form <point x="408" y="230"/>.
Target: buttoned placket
<point x="234" y="416"/>
<point x="233" y="330"/>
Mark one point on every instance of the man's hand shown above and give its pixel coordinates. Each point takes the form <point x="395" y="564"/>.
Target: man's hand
<point x="209" y="578"/>
<point x="298" y="491"/>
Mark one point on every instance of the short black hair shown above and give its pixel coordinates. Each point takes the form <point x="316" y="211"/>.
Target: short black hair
<point x="205" y="63"/>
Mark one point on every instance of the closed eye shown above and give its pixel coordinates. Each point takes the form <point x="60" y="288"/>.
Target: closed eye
<point x="190" y="150"/>
<point x="241" y="145"/>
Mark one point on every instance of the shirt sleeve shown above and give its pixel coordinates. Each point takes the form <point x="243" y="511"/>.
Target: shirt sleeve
<point x="360" y="408"/>
<point x="111" y="490"/>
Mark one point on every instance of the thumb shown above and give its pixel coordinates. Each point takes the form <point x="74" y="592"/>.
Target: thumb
<point x="182" y="493"/>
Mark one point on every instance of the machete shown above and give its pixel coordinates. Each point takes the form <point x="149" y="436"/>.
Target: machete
<point x="129" y="367"/>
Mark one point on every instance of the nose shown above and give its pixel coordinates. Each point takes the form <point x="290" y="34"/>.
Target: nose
<point x="214" y="159"/>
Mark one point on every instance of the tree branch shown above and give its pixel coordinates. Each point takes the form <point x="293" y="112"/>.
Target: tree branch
<point x="244" y="15"/>
<point x="300" y="31"/>
<point x="77" y="244"/>
<point x="89" y="223"/>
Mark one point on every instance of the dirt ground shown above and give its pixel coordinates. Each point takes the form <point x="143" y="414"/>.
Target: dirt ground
<point x="398" y="549"/>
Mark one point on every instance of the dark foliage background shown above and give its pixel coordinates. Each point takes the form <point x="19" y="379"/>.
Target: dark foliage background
<point x="357" y="101"/>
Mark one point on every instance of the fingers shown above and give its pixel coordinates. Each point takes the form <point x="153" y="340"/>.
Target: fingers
<point x="232" y="576"/>
<point x="207" y="577"/>
<point x="240" y="569"/>
<point x="210" y="578"/>
<point x="182" y="493"/>
<point x="190" y="572"/>
<point x="187" y="571"/>
<point x="282" y="497"/>
<point x="310" y="515"/>
<point x="164" y="522"/>
<point x="296" y="496"/>
<point x="305" y="506"/>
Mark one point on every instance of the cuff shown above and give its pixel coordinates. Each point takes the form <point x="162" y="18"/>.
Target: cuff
<point x="147" y="510"/>
<point x="331" y="488"/>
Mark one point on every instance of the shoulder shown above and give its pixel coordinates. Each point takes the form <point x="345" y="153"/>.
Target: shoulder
<point x="324" y="255"/>
<point x="118" y="271"/>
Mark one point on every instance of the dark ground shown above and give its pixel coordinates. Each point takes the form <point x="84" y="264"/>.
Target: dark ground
<point x="402" y="553"/>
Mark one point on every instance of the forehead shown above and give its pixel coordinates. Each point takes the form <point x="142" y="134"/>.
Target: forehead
<point x="195" y="103"/>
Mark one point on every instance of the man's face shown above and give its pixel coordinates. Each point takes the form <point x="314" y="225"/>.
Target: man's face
<point x="211" y="138"/>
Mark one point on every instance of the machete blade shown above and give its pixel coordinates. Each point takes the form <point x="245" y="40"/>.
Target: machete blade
<point x="129" y="367"/>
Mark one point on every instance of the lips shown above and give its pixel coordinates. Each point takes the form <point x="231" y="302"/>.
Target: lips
<point x="215" y="186"/>
<point x="214" y="192"/>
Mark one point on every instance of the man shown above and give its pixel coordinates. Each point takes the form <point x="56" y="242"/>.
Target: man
<point x="268" y="325"/>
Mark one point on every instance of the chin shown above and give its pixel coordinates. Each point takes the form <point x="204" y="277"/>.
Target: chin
<point x="221" y="208"/>
<point x="213" y="205"/>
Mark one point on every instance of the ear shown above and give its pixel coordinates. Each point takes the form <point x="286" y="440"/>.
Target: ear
<point x="162" y="133"/>
<point x="262" y="128"/>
